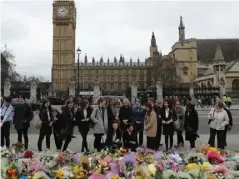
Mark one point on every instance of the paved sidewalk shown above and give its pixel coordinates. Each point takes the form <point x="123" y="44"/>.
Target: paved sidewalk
<point x="233" y="107"/>
<point x="75" y="145"/>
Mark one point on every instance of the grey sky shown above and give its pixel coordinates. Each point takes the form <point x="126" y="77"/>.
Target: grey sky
<point x="109" y="29"/>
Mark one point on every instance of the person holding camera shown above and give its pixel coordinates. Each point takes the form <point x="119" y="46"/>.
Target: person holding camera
<point x="6" y="120"/>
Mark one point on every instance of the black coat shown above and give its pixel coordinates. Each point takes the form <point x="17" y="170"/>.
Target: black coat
<point x="127" y="138"/>
<point x="110" y="115"/>
<point x="83" y="126"/>
<point x="191" y="125"/>
<point x="44" y="117"/>
<point x="113" y="137"/>
<point x="158" y="112"/>
<point x="22" y="116"/>
<point x="125" y="113"/>
<point x="67" y="121"/>
<point x="168" y="129"/>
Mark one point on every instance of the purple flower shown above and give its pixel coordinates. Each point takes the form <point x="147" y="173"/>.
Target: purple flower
<point x="157" y="155"/>
<point x="130" y="158"/>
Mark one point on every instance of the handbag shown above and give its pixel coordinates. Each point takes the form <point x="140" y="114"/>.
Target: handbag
<point x="38" y="123"/>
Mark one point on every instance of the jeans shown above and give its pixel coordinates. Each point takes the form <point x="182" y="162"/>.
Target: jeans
<point x="170" y="137"/>
<point x="44" y="131"/>
<point x="67" y="141"/>
<point x="140" y="131"/>
<point x="5" y="134"/>
<point x="98" y="141"/>
<point x="180" y="137"/>
<point x="58" y="142"/>
<point x="23" y="132"/>
<point x="151" y="143"/>
<point x="220" y="138"/>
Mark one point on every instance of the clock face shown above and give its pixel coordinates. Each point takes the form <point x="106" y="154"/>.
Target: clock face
<point x="62" y="11"/>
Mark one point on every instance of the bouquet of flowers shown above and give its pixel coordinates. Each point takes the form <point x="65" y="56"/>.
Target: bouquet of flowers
<point x="214" y="157"/>
<point x="65" y="173"/>
<point x="17" y="148"/>
<point x="11" y="172"/>
<point x="169" y="174"/>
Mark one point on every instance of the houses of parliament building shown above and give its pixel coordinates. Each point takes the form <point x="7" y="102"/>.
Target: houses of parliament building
<point x="194" y="56"/>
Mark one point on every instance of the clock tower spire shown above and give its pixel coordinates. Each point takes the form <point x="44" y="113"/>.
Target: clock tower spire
<point x="63" y="53"/>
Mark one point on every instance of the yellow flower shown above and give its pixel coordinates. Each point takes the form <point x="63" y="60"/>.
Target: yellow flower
<point x="59" y="173"/>
<point x="213" y="149"/>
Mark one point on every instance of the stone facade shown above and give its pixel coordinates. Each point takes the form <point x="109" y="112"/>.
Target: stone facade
<point x="193" y="57"/>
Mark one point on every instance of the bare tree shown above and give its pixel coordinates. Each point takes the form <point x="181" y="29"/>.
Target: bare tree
<point x="165" y="69"/>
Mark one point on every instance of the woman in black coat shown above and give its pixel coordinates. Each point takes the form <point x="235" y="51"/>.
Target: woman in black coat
<point x="125" y="114"/>
<point x="82" y="117"/>
<point x="57" y="128"/>
<point x="46" y="118"/>
<point x="191" y="124"/>
<point x="115" y="136"/>
<point x="168" y="116"/>
<point x="67" y="124"/>
<point x="130" y="138"/>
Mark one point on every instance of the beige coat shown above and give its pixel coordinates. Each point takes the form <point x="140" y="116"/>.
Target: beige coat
<point x="150" y="124"/>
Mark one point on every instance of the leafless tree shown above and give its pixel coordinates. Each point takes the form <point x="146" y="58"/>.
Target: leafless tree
<point x="165" y="69"/>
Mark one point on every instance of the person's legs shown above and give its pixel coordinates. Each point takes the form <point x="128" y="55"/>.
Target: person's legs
<point x="221" y="139"/>
<point x="192" y="144"/>
<point x="7" y="133"/>
<point x="166" y="141"/>
<point x="56" y="139"/>
<point x="180" y="138"/>
<point x="97" y="141"/>
<point x="2" y="135"/>
<point x="84" y="141"/>
<point x="19" y="135"/>
<point x="158" y="136"/>
<point x="211" y="140"/>
<point x="141" y="138"/>
<point x="225" y="136"/>
<point x="171" y="141"/>
<point x="40" y="139"/>
<point x="25" y="135"/>
<point x="67" y="141"/>
<point x="48" y="138"/>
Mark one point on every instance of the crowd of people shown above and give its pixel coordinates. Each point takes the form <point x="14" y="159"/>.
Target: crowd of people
<point x="115" y="123"/>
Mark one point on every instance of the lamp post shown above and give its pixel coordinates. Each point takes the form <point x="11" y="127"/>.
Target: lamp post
<point x="78" y="51"/>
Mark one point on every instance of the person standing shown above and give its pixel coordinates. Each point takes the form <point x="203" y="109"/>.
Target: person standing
<point x="218" y="119"/>
<point x="57" y="128"/>
<point x="6" y="120"/>
<point x="125" y="114"/>
<point x="67" y="124"/>
<point x="112" y="115"/>
<point x="47" y="119"/>
<point x="191" y="124"/>
<point x="22" y="117"/>
<point x="100" y="119"/>
<point x="157" y="109"/>
<point x="138" y="114"/>
<point x="180" y="116"/>
<point x="82" y="117"/>
<point x="150" y="123"/>
<point x="229" y="126"/>
<point x="168" y="116"/>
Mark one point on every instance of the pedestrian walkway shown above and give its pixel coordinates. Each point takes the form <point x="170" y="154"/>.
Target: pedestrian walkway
<point x="233" y="107"/>
<point x="75" y="145"/>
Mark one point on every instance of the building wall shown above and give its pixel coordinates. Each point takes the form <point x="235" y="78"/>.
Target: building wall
<point x="112" y="78"/>
<point x="186" y="57"/>
<point x="63" y="54"/>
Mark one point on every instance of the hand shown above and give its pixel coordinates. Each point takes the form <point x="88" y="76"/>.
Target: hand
<point x="164" y="122"/>
<point x="117" y="141"/>
<point x="229" y="127"/>
<point x="87" y="119"/>
<point x="138" y="122"/>
<point x="50" y="124"/>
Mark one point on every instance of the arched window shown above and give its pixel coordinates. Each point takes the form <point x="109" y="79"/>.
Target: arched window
<point x="235" y="85"/>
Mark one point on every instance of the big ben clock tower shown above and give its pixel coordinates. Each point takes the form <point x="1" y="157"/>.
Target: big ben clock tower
<point x="63" y="54"/>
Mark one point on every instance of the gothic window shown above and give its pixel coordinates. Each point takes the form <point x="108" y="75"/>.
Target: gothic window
<point x="185" y="71"/>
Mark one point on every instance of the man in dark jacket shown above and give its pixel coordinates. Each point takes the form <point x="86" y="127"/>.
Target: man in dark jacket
<point x="22" y="117"/>
<point x="157" y="109"/>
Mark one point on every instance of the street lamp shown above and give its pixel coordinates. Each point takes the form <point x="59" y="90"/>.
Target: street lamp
<point x="78" y="52"/>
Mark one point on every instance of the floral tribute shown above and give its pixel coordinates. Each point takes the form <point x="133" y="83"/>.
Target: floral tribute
<point x="205" y="163"/>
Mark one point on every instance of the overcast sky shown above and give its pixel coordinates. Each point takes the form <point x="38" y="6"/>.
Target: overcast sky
<point x="109" y="29"/>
